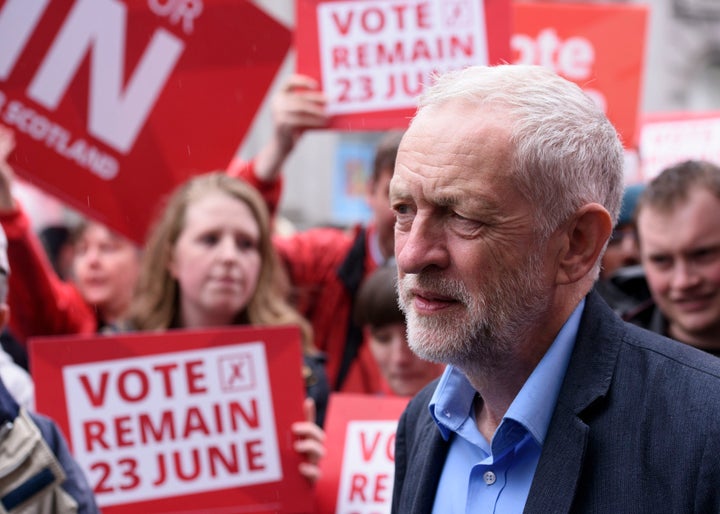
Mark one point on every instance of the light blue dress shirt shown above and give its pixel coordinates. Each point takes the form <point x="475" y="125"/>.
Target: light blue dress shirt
<point x="495" y="478"/>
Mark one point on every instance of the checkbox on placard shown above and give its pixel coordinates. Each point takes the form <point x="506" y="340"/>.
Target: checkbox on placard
<point x="457" y="13"/>
<point x="237" y="372"/>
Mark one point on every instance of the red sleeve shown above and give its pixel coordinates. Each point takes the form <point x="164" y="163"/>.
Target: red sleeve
<point x="270" y="190"/>
<point x="40" y="302"/>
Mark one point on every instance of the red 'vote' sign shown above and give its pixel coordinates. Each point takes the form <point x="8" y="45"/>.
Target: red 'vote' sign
<point x="359" y="467"/>
<point x="113" y="103"/>
<point x="374" y="57"/>
<point x="599" y="47"/>
<point x="180" y="421"/>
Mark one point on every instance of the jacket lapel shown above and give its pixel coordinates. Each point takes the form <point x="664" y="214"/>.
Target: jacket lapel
<point x="429" y="474"/>
<point x="429" y="451"/>
<point x="588" y="378"/>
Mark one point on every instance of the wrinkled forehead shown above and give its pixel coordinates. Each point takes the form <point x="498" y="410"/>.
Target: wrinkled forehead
<point x="445" y="147"/>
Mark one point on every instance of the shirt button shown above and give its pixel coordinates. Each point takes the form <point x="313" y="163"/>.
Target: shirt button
<point x="489" y="477"/>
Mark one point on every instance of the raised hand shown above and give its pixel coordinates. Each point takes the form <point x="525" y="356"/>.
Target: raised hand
<point x="297" y="107"/>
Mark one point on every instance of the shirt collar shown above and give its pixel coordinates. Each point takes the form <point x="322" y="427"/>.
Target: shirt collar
<point x="452" y="401"/>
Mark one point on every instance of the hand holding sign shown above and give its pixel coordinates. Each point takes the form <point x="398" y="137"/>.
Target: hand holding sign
<point x="298" y="106"/>
<point x="310" y="442"/>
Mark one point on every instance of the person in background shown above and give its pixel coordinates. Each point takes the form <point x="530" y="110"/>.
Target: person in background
<point x="507" y="184"/>
<point x="678" y="221"/>
<point x="16" y="378"/>
<point x="38" y="473"/>
<point x="378" y="312"/>
<point x="105" y="268"/>
<point x="622" y="249"/>
<point x="622" y="281"/>
<point x="327" y="265"/>
<point x="57" y="241"/>
<point x="209" y="262"/>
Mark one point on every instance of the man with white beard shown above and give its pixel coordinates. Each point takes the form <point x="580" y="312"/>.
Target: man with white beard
<point x="506" y="188"/>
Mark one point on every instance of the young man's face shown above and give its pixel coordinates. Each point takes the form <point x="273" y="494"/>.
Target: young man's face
<point x="680" y="252"/>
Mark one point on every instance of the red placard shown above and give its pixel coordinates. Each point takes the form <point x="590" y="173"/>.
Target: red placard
<point x="180" y="421"/>
<point x="374" y="57"/>
<point x="359" y="468"/>
<point x="668" y="138"/>
<point x="115" y="102"/>
<point x="599" y="47"/>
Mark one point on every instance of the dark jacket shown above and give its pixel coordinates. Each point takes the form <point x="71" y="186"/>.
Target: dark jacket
<point x="636" y="429"/>
<point x="36" y="467"/>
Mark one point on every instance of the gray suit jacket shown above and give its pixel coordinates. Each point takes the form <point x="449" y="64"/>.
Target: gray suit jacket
<point x="636" y="429"/>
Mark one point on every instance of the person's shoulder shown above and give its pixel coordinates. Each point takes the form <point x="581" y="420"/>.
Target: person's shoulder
<point x="641" y="351"/>
<point x="675" y="373"/>
<point x="49" y="430"/>
<point x="663" y="347"/>
<point x="75" y="484"/>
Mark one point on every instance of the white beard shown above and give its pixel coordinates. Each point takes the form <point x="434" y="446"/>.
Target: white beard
<point x="481" y="330"/>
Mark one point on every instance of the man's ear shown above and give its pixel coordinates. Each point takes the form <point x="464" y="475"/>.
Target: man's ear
<point x="584" y="239"/>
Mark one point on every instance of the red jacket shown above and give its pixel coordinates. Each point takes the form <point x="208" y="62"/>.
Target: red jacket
<point x="313" y="259"/>
<point x="40" y="302"/>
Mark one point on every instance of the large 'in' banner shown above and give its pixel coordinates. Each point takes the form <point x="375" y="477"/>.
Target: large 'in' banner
<point x="115" y="102"/>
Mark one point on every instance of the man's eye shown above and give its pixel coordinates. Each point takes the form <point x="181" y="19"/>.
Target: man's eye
<point x="661" y="261"/>
<point x="706" y="255"/>
<point x="401" y="209"/>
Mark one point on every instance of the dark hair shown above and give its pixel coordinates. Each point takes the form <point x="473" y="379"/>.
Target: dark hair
<point x="674" y="183"/>
<point x="386" y="153"/>
<point x="376" y="303"/>
<point x="54" y="238"/>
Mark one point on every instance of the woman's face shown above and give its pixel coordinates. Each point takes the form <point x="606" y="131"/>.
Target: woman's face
<point x="405" y="372"/>
<point x="106" y="267"/>
<point x="216" y="260"/>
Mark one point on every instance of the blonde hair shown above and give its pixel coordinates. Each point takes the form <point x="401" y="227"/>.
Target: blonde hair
<point x="155" y="305"/>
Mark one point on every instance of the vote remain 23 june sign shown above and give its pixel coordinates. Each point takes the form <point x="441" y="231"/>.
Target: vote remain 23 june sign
<point x="374" y="57"/>
<point x="180" y="421"/>
<point x="115" y="102"/>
